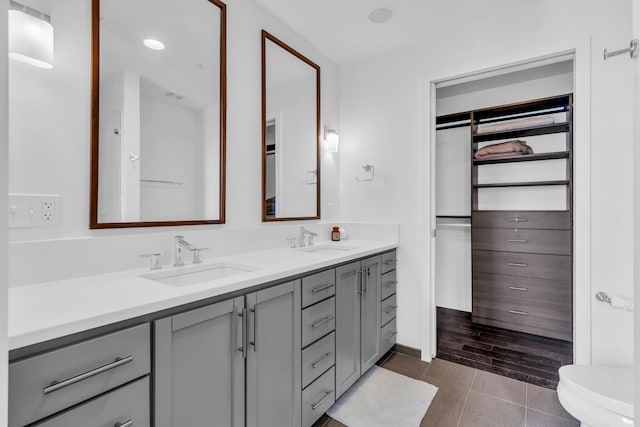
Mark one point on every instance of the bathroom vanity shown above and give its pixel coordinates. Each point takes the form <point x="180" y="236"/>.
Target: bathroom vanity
<point x="271" y="338"/>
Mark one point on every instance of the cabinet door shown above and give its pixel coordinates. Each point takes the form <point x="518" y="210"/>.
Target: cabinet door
<point x="274" y="369"/>
<point x="370" y="350"/>
<point x="199" y="367"/>
<point x="347" y="326"/>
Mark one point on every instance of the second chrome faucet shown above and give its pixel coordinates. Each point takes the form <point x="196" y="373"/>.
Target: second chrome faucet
<point x="180" y="246"/>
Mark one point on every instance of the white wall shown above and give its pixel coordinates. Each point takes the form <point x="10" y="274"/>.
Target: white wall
<point x="50" y="150"/>
<point x="382" y="107"/>
<point x="636" y="206"/>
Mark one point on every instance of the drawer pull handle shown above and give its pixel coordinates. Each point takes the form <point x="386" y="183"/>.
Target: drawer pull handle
<point x="521" y="313"/>
<point x="391" y="335"/>
<point x="322" y="322"/>
<point x="391" y="261"/>
<point x="390" y="284"/>
<point x="315" y="405"/>
<point x="322" y="288"/>
<point x="517" y="288"/>
<point x="517" y="219"/>
<point x="326" y="357"/>
<point x="57" y="385"/>
<point x="124" y="424"/>
<point x="390" y="309"/>
<point x="243" y="349"/>
<point x="518" y="264"/>
<point x="517" y="241"/>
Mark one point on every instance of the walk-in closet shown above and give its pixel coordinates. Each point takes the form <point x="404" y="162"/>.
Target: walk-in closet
<point x="504" y="220"/>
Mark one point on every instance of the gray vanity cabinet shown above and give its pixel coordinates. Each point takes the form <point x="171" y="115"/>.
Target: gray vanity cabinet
<point x="273" y="360"/>
<point x="199" y="367"/>
<point x="358" y="291"/>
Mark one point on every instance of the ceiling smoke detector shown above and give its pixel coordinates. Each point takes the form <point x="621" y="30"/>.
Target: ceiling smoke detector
<point x="381" y="15"/>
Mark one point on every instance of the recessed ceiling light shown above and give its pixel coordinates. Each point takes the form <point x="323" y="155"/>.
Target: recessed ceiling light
<point x="153" y="44"/>
<point x="381" y="15"/>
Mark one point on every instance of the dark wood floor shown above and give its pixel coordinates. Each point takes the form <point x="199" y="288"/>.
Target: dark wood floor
<point x="525" y="357"/>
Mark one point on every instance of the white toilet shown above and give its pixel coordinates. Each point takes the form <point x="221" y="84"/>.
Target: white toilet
<point x="598" y="396"/>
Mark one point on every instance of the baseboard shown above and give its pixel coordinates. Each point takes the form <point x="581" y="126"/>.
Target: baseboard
<point x="409" y="351"/>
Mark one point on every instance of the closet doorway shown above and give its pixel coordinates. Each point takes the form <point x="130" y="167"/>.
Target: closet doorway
<point x="504" y="220"/>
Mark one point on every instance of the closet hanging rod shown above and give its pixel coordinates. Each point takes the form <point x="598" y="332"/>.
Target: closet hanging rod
<point x="461" y="124"/>
<point x="632" y="50"/>
<point x="159" y="181"/>
<point x="546" y="111"/>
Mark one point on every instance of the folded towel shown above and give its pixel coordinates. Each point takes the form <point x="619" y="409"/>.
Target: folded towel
<point x="503" y="149"/>
<point x="516" y="124"/>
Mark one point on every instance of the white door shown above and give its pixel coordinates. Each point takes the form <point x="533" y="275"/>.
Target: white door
<point x="636" y="191"/>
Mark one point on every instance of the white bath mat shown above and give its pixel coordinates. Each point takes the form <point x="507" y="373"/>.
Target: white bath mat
<point x="382" y="398"/>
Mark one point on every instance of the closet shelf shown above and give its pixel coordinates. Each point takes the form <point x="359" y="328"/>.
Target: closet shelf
<point x="517" y="133"/>
<point x="521" y="184"/>
<point x="523" y="158"/>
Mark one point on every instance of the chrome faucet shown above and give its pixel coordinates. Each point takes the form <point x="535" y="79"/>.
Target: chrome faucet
<point x="180" y="245"/>
<point x="301" y="237"/>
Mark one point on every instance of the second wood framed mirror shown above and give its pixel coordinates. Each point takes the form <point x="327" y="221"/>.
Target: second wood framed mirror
<point x="290" y="133"/>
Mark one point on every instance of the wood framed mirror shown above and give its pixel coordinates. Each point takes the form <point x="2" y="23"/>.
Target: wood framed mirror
<point x="290" y="133"/>
<point x="158" y="113"/>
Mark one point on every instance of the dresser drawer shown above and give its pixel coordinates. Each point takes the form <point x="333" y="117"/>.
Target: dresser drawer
<point x="555" y="267"/>
<point x="126" y="406"/>
<point x="388" y="261"/>
<point x="550" y="220"/>
<point x="533" y="313"/>
<point x="318" y="287"/>
<point x="556" y="242"/>
<point x="318" y="398"/>
<point x="388" y="336"/>
<point x="389" y="284"/>
<point x="318" y="320"/>
<point x="388" y="310"/>
<point x="45" y="384"/>
<point x="486" y="285"/>
<point x="317" y="358"/>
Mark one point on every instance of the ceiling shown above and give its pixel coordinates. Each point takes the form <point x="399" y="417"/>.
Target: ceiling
<point x="341" y="29"/>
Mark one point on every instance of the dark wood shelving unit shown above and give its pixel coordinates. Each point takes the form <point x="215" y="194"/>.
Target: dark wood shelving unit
<point x="523" y="158"/>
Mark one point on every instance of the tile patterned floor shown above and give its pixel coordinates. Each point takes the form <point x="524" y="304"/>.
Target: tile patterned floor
<point x="468" y="397"/>
<point x="524" y="357"/>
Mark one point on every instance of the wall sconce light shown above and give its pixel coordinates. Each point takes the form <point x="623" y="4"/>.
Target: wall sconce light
<point x="30" y="36"/>
<point x="331" y="140"/>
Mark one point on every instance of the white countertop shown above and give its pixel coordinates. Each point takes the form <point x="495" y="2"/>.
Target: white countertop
<point x="50" y="310"/>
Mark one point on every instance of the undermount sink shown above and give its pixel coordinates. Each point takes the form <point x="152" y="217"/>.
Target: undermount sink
<point x="328" y="249"/>
<point x="191" y="275"/>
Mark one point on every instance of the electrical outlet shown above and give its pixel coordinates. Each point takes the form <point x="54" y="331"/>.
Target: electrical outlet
<point x="34" y="210"/>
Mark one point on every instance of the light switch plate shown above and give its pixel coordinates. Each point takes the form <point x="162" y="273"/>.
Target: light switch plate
<point x="34" y="210"/>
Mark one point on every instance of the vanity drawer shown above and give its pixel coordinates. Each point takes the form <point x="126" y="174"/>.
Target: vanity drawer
<point x="487" y="285"/>
<point x="522" y="240"/>
<point x="317" y="358"/>
<point x="318" y="320"/>
<point x="126" y="406"/>
<point x="318" y="398"/>
<point x="550" y="220"/>
<point x="389" y="284"/>
<point x="318" y="287"/>
<point x="388" y="261"/>
<point x="555" y="267"/>
<point x="388" y="336"/>
<point x="45" y="384"/>
<point x="388" y="310"/>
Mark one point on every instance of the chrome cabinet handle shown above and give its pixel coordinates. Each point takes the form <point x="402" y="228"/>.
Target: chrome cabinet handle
<point x="243" y="348"/>
<point x="358" y="281"/>
<point x="518" y="264"/>
<point x="322" y="288"/>
<point x="322" y="322"/>
<point x="517" y="241"/>
<point x="517" y="288"/>
<point x="324" y="358"/>
<point x="315" y="405"/>
<point x="517" y="219"/>
<point x="391" y="335"/>
<point x="124" y="424"/>
<point x="390" y="309"/>
<point x="391" y="283"/>
<point x="57" y="385"/>
<point x="365" y="280"/>
<point x="254" y="343"/>
<point x="521" y="313"/>
<point x="392" y="261"/>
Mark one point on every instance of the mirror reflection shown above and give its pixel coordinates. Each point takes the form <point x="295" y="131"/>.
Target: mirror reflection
<point x="291" y="127"/>
<point x="158" y="112"/>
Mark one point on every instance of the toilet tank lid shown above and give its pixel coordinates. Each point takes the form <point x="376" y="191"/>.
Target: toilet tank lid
<point x="607" y="386"/>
